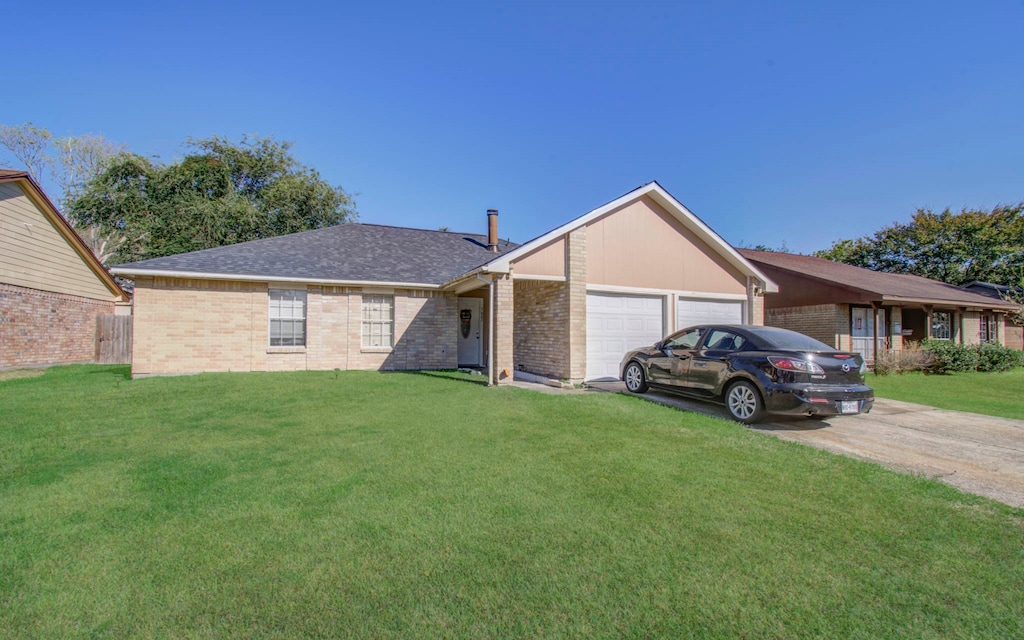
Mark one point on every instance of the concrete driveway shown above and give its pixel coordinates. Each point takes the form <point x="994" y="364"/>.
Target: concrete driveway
<point x="975" y="453"/>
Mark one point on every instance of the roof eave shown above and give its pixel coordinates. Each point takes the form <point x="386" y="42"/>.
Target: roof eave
<point x="198" y="275"/>
<point x="975" y="304"/>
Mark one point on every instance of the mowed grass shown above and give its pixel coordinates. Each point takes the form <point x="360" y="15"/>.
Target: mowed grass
<point x="994" y="394"/>
<point x="412" y="505"/>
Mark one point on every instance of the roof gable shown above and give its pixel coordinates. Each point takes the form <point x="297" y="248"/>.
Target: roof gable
<point x="663" y="198"/>
<point x="51" y="258"/>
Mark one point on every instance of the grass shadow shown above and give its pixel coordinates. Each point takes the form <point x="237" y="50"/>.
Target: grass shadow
<point x="445" y="374"/>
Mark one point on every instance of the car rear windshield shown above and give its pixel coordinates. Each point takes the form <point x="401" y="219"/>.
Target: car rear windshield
<point x="788" y="340"/>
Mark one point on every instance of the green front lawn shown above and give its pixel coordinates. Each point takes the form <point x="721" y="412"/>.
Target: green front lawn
<point x="426" y="505"/>
<point x="993" y="394"/>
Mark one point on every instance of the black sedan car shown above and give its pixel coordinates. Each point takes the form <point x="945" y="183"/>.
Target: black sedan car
<point x="752" y="370"/>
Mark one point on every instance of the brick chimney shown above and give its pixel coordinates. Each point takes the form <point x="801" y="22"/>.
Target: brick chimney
<point x="492" y="230"/>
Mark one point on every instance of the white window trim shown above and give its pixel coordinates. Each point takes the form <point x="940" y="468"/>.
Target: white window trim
<point x="949" y="325"/>
<point x="290" y="348"/>
<point x="363" y="322"/>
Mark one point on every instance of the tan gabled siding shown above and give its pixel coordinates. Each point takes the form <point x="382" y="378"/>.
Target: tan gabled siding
<point x="549" y="260"/>
<point x="33" y="254"/>
<point x="642" y="245"/>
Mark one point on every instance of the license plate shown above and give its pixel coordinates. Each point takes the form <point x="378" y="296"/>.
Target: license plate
<point x="849" y="406"/>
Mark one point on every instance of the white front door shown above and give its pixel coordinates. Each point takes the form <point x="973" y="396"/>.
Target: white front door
<point x="863" y="330"/>
<point x="471" y="344"/>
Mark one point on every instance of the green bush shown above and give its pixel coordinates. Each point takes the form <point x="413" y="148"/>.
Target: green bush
<point x="996" y="357"/>
<point x="951" y="357"/>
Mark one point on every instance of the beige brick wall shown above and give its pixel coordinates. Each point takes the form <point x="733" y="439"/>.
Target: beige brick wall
<point x="504" y="328"/>
<point x="895" y="338"/>
<point x="576" y="284"/>
<point x="542" y="328"/>
<point x="971" y="322"/>
<point x="1012" y="334"/>
<point x="824" y="322"/>
<point x="755" y="304"/>
<point x="187" y="326"/>
<point x="550" y="319"/>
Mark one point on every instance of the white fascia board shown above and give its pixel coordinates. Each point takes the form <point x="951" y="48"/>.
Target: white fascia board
<point x="527" y="276"/>
<point x="464" y="285"/>
<point x="194" y="275"/>
<point x="665" y="199"/>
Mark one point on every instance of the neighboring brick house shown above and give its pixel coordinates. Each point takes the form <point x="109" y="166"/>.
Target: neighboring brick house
<point x="566" y="305"/>
<point x="847" y="307"/>
<point x="52" y="287"/>
<point x="1014" y="336"/>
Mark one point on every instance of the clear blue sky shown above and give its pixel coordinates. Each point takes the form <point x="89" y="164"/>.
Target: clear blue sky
<point x="795" y="123"/>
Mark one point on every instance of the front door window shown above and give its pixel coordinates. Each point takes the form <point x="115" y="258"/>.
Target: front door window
<point x="862" y="331"/>
<point x="942" y="325"/>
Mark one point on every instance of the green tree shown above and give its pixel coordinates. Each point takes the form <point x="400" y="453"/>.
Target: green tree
<point x="63" y="166"/>
<point x="952" y="247"/>
<point x="220" y="193"/>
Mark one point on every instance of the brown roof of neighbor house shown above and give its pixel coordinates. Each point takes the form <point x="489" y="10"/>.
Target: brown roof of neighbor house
<point x="894" y="287"/>
<point x="52" y="213"/>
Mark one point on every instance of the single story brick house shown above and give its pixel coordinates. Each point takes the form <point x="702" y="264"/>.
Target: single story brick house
<point x="565" y="306"/>
<point x="1014" y="336"/>
<point x="847" y="306"/>
<point x="52" y="287"/>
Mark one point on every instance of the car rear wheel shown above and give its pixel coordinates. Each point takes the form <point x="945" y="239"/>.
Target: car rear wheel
<point x="744" y="403"/>
<point x="634" y="378"/>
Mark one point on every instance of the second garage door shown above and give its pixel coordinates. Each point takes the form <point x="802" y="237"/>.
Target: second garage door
<point x="691" y="311"/>
<point x="616" y="324"/>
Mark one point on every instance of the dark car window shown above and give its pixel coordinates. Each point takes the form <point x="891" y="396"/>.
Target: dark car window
<point x="686" y="340"/>
<point x="786" y="340"/>
<point x="721" y="340"/>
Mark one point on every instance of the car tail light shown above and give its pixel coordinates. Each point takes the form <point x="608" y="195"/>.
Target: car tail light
<point x="792" y="364"/>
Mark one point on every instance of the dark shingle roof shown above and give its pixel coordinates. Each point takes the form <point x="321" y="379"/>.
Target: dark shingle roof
<point x="886" y="285"/>
<point x="347" y="252"/>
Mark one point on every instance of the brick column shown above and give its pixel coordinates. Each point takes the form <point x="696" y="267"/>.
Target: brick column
<point x="576" y="282"/>
<point x="504" y="304"/>
<point x="755" y="302"/>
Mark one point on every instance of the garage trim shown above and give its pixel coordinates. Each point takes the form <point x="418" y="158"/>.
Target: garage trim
<point x="640" y="291"/>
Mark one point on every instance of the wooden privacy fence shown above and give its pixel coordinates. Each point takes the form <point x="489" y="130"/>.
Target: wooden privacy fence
<point x="113" y="339"/>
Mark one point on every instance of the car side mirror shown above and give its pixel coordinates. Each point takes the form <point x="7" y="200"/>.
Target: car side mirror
<point x="659" y="345"/>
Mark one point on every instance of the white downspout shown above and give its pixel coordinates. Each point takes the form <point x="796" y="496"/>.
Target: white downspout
<point x="492" y="379"/>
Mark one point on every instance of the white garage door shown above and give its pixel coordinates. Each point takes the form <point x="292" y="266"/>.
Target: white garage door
<point x="616" y="324"/>
<point x="691" y="311"/>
